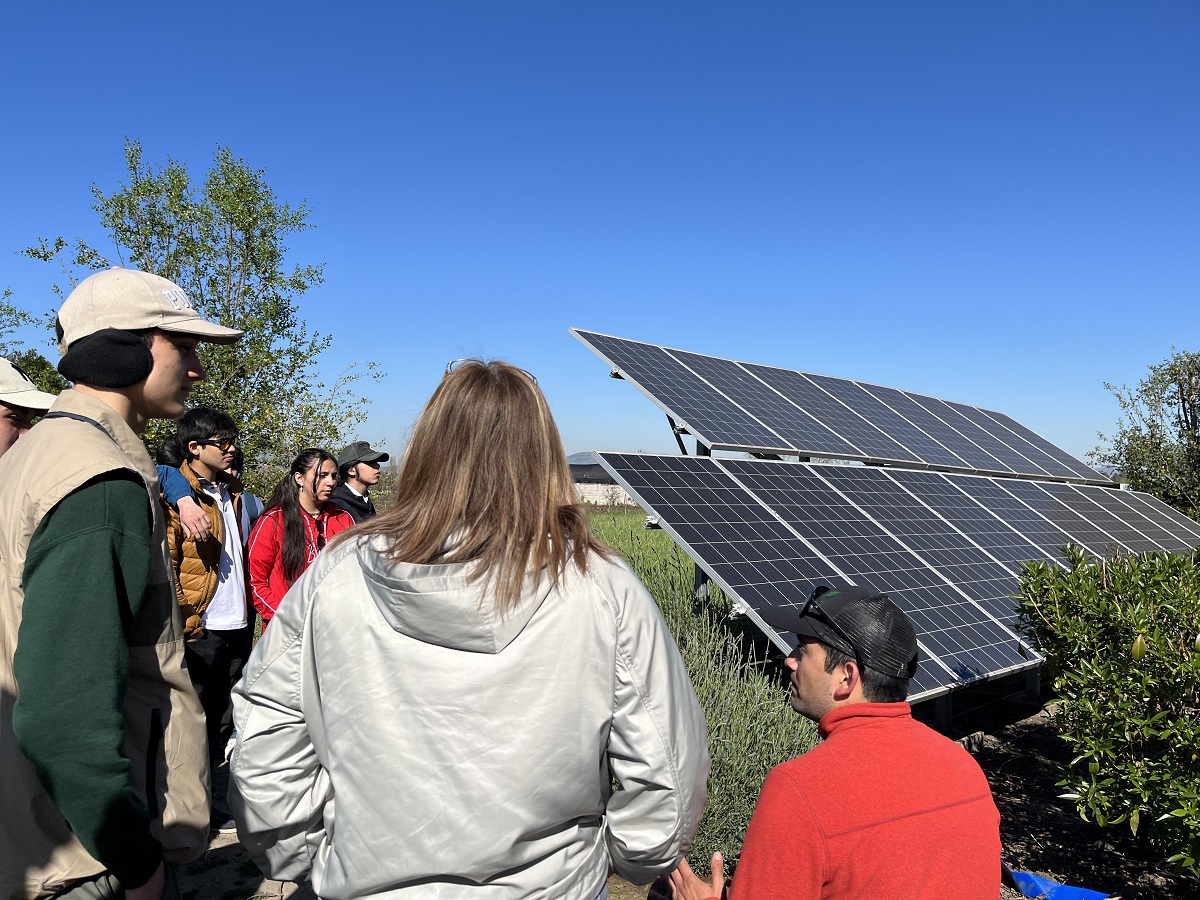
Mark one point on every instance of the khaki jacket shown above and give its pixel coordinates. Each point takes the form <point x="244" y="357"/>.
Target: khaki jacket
<point x="164" y="723"/>
<point x="197" y="565"/>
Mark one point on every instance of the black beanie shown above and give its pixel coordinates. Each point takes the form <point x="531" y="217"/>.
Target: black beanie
<point x="110" y="358"/>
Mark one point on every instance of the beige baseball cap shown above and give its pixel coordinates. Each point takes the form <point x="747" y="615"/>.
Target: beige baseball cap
<point x="17" y="390"/>
<point x="132" y="300"/>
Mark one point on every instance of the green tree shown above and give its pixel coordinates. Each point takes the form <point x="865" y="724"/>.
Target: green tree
<point x="224" y="242"/>
<point x="1156" y="447"/>
<point x="39" y="369"/>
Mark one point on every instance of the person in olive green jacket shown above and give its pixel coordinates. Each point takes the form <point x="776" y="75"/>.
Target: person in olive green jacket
<point x="103" y="775"/>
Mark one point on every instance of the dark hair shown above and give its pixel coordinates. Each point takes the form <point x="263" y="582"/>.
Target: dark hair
<point x="287" y="497"/>
<point x="202" y="423"/>
<point x="170" y="453"/>
<point x="239" y="459"/>
<point x="877" y="687"/>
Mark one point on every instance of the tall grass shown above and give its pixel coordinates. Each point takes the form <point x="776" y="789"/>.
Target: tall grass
<point x="751" y="727"/>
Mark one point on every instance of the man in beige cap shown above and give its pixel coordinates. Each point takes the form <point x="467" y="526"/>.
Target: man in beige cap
<point x="20" y="402"/>
<point x="103" y="766"/>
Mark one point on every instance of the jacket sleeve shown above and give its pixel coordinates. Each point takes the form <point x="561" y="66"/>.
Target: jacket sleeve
<point x="658" y="744"/>
<point x="262" y="553"/>
<point x="784" y="851"/>
<point x="279" y="791"/>
<point x="174" y="485"/>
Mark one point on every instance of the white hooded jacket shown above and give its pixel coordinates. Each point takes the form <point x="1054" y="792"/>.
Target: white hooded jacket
<point x="399" y="739"/>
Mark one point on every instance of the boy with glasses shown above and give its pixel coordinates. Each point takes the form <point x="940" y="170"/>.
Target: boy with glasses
<point x="210" y="575"/>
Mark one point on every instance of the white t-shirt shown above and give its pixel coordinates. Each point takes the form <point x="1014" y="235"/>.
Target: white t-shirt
<point x="227" y="610"/>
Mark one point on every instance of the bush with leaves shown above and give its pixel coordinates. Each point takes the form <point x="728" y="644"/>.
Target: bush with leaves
<point x="1122" y="645"/>
<point x="751" y="726"/>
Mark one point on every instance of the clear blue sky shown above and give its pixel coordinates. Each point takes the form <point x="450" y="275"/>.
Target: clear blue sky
<point x="994" y="203"/>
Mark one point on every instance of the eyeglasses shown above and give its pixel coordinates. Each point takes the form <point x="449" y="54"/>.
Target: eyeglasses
<point x="224" y="444"/>
<point x="813" y="610"/>
<point x="455" y="363"/>
<point x="320" y="523"/>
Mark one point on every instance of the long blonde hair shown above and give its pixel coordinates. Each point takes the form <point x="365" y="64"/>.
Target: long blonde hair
<point x="485" y="478"/>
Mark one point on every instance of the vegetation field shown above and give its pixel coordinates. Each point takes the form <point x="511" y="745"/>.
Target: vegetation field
<point x="751" y="726"/>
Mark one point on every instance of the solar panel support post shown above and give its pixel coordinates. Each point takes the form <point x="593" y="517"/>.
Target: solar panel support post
<point x="1033" y="683"/>
<point x="943" y="712"/>
<point x="700" y="594"/>
<point x="677" y="432"/>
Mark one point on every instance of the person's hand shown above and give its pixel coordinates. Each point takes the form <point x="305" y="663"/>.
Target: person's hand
<point x="194" y="520"/>
<point x="152" y="889"/>
<point x="687" y="886"/>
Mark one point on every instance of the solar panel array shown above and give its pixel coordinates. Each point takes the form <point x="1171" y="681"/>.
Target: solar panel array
<point x="946" y="547"/>
<point x="730" y="405"/>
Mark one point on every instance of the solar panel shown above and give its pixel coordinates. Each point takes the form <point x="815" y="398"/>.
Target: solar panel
<point x="743" y="547"/>
<point x="799" y="430"/>
<point x="964" y="638"/>
<point x="767" y="532"/>
<point x="858" y="426"/>
<point x="1185" y="530"/>
<point x="959" y="500"/>
<point x="1079" y="529"/>
<point x="683" y="395"/>
<point x="732" y="405"/>
<point x="946" y="549"/>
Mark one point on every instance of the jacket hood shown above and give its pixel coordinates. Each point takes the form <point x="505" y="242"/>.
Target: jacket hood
<point x="439" y="604"/>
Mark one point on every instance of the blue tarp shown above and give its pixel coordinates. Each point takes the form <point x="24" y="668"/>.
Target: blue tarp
<point x="1035" y="886"/>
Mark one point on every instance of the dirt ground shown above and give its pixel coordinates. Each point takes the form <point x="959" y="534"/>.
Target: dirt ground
<point x="1040" y="833"/>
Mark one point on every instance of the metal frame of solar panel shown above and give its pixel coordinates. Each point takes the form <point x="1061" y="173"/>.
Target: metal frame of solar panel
<point x="946" y="547"/>
<point x="731" y="405"/>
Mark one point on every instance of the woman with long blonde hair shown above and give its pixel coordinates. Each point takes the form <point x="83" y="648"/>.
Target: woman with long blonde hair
<point x="445" y="706"/>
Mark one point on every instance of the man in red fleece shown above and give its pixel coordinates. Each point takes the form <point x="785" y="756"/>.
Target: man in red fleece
<point x="884" y="807"/>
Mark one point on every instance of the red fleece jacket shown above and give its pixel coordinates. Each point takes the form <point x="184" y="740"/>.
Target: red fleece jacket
<point x="884" y="808"/>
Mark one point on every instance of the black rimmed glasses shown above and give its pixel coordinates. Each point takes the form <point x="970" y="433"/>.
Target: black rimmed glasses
<point x="320" y="523"/>
<point x="813" y="610"/>
<point x="455" y="363"/>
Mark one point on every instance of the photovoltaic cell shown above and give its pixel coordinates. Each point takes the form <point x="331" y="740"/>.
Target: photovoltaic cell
<point x="798" y="429"/>
<point x="985" y="527"/>
<point x="977" y="436"/>
<point x="889" y="421"/>
<point x="944" y="548"/>
<point x="1161" y="537"/>
<point x="1048" y="448"/>
<point x="1078" y="529"/>
<point x="973" y="455"/>
<point x="968" y="642"/>
<point x="742" y="546"/>
<point x="861" y="433"/>
<point x="1185" y="530"/>
<point x="1037" y="456"/>
<point x="1122" y="529"/>
<point x="682" y="394"/>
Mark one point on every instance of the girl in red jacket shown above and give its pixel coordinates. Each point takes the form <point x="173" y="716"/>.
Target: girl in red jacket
<point x="294" y="528"/>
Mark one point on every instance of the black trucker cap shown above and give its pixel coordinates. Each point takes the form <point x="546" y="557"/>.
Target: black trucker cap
<point x="859" y="621"/>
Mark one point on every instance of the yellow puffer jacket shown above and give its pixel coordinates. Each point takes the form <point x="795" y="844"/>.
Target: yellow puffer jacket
<point x="197" y="563"/>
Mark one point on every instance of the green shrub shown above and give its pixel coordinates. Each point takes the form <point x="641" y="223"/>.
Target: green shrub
<point x="1120" y="637"/>
<point x="751" y="727"/>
